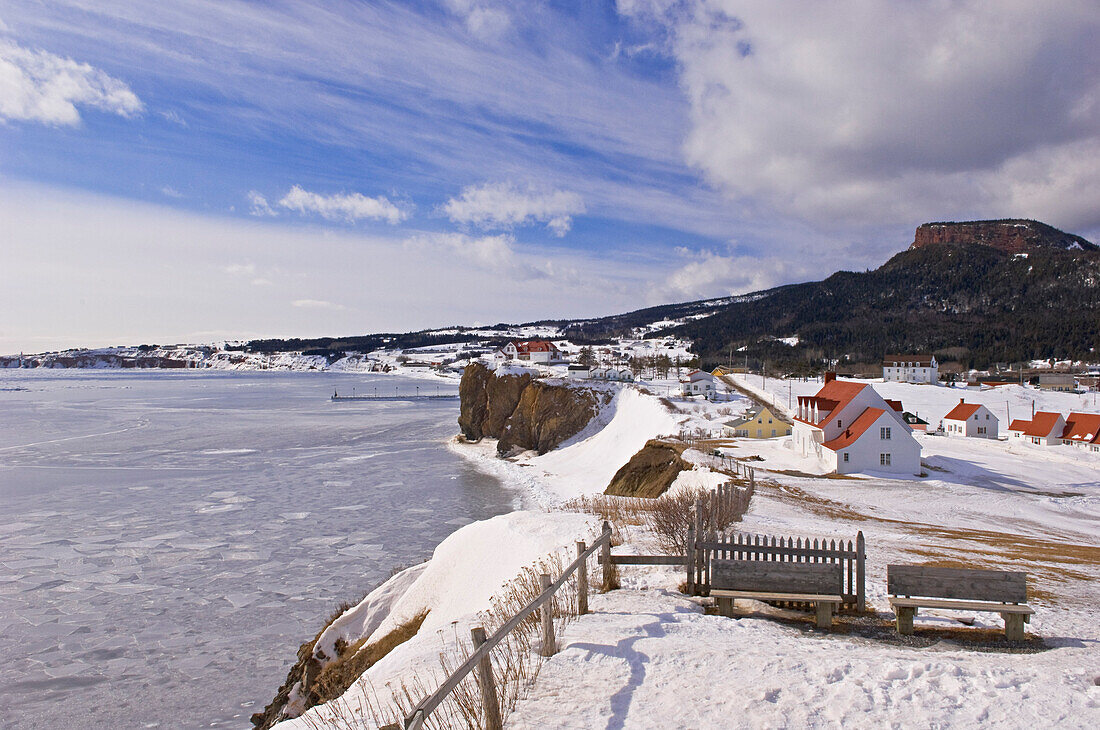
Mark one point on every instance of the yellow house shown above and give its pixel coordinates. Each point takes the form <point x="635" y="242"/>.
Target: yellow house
<point x="757" y="424"/>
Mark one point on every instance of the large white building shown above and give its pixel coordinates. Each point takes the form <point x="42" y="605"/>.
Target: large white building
<point x="850" y="428"/>
<point x="910" y="369"/>
<point x="698" y="382"/>
<point x="971" y="419"/>
<point x="532" y="351"/>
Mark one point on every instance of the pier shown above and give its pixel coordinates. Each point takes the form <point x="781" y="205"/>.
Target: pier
<point x="417" y="396"/>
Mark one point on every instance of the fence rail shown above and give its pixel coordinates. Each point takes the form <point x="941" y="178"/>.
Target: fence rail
<point x="479" y="658"/>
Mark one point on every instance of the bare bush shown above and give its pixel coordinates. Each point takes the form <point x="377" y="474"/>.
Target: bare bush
<point x="672" y="515"/>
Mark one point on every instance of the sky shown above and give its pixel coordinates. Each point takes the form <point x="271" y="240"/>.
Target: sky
<point x="215" y="169"/>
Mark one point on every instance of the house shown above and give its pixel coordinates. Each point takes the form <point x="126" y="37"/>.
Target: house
<point x="850" y="428"/>
<point x="1063" y="382"/>
<point x="1044" y="428"/>
<point x="971" y="419"/>
<point x="759" y="424"/>
<point x="532" y="351"/>
<point x="1083" y="431"/>
<point x="697" y="382"/>
<point x="620" y="375"/>
<point x="910" y="369"/>
<point x="915" y="422"/>
<point x="579" y="371"/>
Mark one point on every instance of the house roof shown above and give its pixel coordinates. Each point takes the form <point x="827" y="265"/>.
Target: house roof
<point x="851" y="434"/>
<point x="962" y="412"/>
<point x="923" y="361"/>
<point x="1040" y="425"/>
<point x="895" y="404"/>
<point x="1083" y="427"/>
<point x="535" y="346"/>
<point x="833" y="396"/>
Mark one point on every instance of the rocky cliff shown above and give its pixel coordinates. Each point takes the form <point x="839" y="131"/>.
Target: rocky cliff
<point x="650" y="472"/>
<point x="522" y="412"/>
<point x="1010" y="236"/>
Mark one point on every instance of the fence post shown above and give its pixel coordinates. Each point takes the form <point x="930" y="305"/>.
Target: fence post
<point x="752" y="477"/>
<point x="489" y="702"/>
<point x="861" y="567"/>
<point x="605" y="553"/>
<point x="689" y="554"/>
<point x="700" y="535"/>
<point x="582" y="581"/>
<point x="549" y="645"/>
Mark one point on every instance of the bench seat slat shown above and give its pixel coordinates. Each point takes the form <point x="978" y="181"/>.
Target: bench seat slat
<point x="961" y="605"/>
<point x="761" y="596"/>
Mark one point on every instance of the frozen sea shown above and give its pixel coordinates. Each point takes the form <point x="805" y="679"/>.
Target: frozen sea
<point x="168" y="539"/>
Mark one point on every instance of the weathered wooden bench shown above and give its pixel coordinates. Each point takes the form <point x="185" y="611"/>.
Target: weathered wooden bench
<point x="764" y="580"/>
<point x="921" y="586"/>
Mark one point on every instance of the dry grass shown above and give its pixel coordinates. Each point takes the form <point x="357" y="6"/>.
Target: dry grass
<point x="673" y="515"/>
<point x="515" y="661"/>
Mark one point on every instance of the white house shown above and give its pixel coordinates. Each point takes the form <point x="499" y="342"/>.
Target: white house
<point x="1083" y="431"/>
<point x="532" y="351"/>
<point x="910" y="369"/>
<point x="1044" y="428"/>
<point x="850" y="428"/>
<point x="971" y="419"/>
<point x="697" y="382"/>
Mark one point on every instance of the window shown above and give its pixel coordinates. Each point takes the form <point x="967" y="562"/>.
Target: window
<point x="884" y="459"/>
<point x="884" y="434"/>
<point x="773" y="432"/>
<point x="838" y="423"/>
<point x="845" y="457"/>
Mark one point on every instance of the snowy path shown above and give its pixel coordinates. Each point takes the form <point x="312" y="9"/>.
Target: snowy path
<point x="651" y="659"/>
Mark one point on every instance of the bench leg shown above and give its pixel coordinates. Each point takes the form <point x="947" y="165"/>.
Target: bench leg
<point x="824" y="611"/>
<point x="725" y="606"/>
<point x="905" y="616"/>
<point x="1014" y="626"/>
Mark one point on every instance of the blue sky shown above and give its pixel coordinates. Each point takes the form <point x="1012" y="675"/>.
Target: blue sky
<point x="181" y="171"/>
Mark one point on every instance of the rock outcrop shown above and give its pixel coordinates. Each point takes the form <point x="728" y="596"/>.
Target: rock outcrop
<point x="650" y="472"/>
<point x="522" y="412"/>
<point x="1011" y="236"/>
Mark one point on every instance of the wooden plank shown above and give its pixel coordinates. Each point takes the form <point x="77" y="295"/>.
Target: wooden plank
<point x="755" y="575"/>
<point x="646" y="560"/>
<point x="979" y="585"/>
<point x="962" y="605"/>
<point x="780" y="596"/>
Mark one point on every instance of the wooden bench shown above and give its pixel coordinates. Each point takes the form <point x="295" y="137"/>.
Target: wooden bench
<point x="921" y="586"/>
<point x="817" y="583"/>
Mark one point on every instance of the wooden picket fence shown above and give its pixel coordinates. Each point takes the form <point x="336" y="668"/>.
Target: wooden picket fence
<point x="704" y="547"/>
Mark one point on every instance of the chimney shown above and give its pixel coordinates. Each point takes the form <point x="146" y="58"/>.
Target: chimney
<point x="962" y="400"/>
<point x="830" y="376"/>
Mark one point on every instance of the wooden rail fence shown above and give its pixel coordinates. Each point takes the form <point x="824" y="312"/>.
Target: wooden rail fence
<point x="480" y="660"/>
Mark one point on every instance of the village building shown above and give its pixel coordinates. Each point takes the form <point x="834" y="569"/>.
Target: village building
<point x="1061" y="382"/>
<point x="758" y="424"/>
<point x="1083" y="431"/>
<point x="971" y="419"/>
<point x="910" y="369"/>
<point x="579" y="371"/>
<point x="620" y="375"/>
<point x="532" y="351"/>
<point x="697" y="382"/>
<point x="851" y="428"/>
<point x="1044" y="428"/>
<point x="915" y="422"/>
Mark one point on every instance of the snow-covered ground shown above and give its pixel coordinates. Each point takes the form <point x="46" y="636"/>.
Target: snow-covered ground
<point x="648" y="657"/>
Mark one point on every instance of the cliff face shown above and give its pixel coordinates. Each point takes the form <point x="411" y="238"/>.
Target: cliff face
<point x="650" y="472"/>
<point x="1010" y="236"/>
<point x="522" y="412"/>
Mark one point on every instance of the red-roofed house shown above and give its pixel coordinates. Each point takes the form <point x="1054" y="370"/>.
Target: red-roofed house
<point x="1082" y="430"/>
<point x="532" y="351"/>
<point x="971" y="419"/>
<point x="1044" y="428"/>
<point x="850" y="428"/>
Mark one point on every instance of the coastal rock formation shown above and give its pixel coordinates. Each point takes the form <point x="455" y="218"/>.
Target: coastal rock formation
<point x="522" y="412"/>
<point x="1011" y="236"/>
<point x="650" y="472"/>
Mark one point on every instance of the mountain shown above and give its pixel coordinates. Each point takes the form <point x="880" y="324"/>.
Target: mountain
<point x="973" y="293"/>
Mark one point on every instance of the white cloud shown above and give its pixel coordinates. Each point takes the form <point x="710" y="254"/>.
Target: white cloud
<point x="484" y="18"/>
<point x="317" y="304"/>
<point x="348" y="207"/>
<point x="505" y="205"/>
<point x="490" y="253"/>
<point x="258" y="205"/>
<point x="38" y="86"/>
<point x="883" y="110"/>
<point x="708" y="274"/>
<point x="170" y="192"/>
